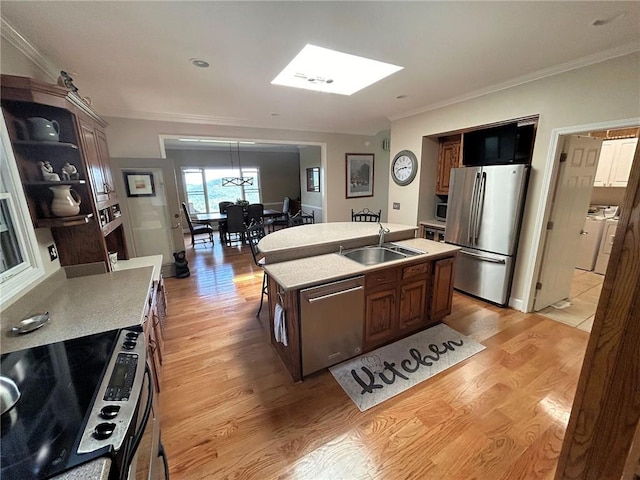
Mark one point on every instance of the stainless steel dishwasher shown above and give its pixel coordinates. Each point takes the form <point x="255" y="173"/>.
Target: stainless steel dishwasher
<point x="331" y="321"/>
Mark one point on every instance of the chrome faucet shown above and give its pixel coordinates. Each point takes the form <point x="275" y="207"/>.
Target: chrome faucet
<point x="381" y="233"/>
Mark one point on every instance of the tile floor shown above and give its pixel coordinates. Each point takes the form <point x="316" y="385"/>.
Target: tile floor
<point x="583" y="300"/>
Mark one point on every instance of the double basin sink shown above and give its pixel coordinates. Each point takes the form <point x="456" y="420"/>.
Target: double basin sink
<point x="373" y="255"/>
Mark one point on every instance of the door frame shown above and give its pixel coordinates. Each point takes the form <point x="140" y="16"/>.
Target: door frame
<point x="232" y="138"/>
<point x="605" y="416"/>
<point x="549" y="181"/>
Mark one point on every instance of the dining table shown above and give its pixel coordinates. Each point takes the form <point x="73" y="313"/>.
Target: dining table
<point x="217" y="217"/>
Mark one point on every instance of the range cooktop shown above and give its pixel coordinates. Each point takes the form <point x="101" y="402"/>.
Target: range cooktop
<point x="57" y="383"/>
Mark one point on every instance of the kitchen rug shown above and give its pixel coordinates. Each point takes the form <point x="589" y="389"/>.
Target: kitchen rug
<point x="387" y="371"/>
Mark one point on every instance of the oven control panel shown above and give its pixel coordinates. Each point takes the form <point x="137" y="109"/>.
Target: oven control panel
<point x="116" y="403"/>
<point x="122" y="377"/>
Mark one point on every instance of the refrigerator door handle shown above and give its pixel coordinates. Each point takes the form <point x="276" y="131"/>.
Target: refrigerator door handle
<point x="472" y="210"/>
<point x="483" y="258"/>
<point x="479" y="208"/>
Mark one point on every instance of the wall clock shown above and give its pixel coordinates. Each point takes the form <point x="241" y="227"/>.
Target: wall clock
<point x="404" y="167"/>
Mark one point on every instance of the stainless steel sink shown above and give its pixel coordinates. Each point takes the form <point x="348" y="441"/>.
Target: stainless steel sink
<point x="407" y="251"/>
<point x="374" y="254"/>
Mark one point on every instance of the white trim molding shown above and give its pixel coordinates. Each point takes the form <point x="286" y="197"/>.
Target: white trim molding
<point x="15" y="38"/>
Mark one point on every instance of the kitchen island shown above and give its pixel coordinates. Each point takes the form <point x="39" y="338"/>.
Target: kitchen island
<point x="399" y="297"/>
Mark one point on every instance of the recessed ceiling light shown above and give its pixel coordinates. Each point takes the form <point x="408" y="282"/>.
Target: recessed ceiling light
<point x="324" y="70"/>
<point x="199" y="63"/>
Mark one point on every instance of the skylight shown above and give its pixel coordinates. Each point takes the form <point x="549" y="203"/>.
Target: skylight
<point x="324" y="70"/>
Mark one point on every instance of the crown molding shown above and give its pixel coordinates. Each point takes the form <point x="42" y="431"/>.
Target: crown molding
<point x="599" y="57"/>
<point x="220" y="121"/>
<point x="15" y="38"/>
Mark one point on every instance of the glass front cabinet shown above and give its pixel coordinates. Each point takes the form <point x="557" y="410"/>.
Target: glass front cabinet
<point x="61" y="155"/>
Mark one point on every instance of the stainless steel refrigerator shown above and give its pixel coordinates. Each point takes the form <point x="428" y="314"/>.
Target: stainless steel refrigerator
<point x="483" y="217"/>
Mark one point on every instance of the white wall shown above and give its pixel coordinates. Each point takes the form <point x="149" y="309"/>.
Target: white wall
<point x="129" y="138"/>
<point x="602" y="92"/>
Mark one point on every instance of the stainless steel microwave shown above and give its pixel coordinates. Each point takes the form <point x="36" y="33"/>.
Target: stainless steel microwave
<point x="441" y="211"/>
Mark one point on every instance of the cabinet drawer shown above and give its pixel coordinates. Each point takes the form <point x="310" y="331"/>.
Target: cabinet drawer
<point x="381" y="277"/>
<point x="415" y="270"/>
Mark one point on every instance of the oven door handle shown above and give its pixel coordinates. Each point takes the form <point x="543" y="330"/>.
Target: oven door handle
<point x="145" y="419"/>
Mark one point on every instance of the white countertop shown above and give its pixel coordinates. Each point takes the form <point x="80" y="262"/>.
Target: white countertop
<point x="309" y="271"/>
<point x="432" y="222"/>
<point x="322" y="238"/>
<point x="154" y="261"/>
<point x="82" y="306"/>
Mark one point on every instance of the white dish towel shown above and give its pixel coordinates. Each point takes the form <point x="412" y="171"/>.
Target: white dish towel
<point x="280" y="325"/>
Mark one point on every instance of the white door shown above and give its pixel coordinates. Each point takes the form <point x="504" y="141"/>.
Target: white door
<point x="569" y="208"/>
<point x="155" y="221"/>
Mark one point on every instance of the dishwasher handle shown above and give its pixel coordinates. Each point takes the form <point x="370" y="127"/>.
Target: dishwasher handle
<point x="333" y="294"/>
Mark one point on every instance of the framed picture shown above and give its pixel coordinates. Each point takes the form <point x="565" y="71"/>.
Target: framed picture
<point x="139" y="184"/>
<point x="359" y="175"/>
<point x="313" y="179"/>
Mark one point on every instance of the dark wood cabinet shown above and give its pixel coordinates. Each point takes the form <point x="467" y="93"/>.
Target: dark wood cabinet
<point x="413" y="299"/>
<point x="97" y="228"/>
<point x="396" y="303"/>
<point x="449" y="157"/>
<point x="380" y="316"/>
<point x="155" y="317"/>
<point x="442" y="297"/>
<point x="98" y="165"/>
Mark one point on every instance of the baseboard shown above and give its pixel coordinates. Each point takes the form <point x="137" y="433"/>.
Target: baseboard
<point x="516" y="304"/>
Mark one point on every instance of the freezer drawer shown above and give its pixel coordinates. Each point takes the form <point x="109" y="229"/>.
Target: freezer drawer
<point x="331" y="323"/>
<point x="484" y="275"/>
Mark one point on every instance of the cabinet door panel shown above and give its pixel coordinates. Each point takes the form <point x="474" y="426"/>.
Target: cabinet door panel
<point x="621" y="167"/>
<point x="413" y="297"/>
<point x="448" y="158"/>
<point x="94" y="166"/>
<point x="379" y="317"/>
<point x="605" y="160"/>
<point x="105" y="162"/>
<point x="442" y="288"/>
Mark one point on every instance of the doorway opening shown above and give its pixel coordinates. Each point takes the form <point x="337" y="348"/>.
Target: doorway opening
<point x="589" y="187"/>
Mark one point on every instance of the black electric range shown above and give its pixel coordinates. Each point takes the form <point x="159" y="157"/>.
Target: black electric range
<point x="58" y="384"/>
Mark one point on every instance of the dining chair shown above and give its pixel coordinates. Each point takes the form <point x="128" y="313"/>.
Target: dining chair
<point x="235" y="223"/>
<point x="302" y="218"/>
<point x="255" y="212"/>
<point x="222" y="206"/>
<point x="254" y="233"/>
<point x="365" y="215"/>
<point x="197" y="229"/>
<point x="222" y="226"/>
<point x="283" y="220"/>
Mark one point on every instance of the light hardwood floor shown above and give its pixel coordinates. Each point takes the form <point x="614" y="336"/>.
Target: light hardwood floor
<point x="580" y="310"/>
<point x="230" y="410"/>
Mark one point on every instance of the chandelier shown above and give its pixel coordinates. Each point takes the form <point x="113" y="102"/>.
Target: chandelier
<point x="239" y="181"/>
